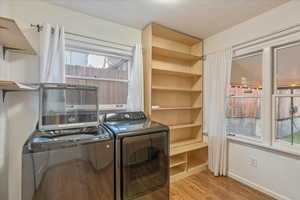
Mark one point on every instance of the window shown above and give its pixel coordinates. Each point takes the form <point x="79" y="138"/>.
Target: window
<point x="263" y="101"/>
<point x="108" y="72"/>
<point x="287" y="94"/>
<point x="243" y="115"/>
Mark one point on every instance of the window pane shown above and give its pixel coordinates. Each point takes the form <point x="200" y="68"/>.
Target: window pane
<point x="287" y="69"/>
<point x="246" y="72"/>
<point x="90" y="67"/>
<point x="243" y="116"/>
<point x="288" y="119"/>
<point x="96" y="66"/>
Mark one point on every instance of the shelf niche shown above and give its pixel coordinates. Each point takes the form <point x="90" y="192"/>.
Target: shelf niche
<point x="177" y="117"/>
<point x="178" y="82"/>
<point x="185" y="136"/>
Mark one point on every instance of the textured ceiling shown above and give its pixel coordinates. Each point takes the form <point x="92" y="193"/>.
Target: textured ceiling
<point x="201" y="18"/>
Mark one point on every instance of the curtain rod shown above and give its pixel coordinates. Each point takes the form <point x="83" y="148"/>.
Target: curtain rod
<point x="39" y="28"/>
<point x="235" y="46"/>
<point x="266" y="36"/>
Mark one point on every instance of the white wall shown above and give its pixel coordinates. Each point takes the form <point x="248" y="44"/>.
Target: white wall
<point x="274" y="20"/>
<point x="4" y="74"/>
<point x="4" y="8"/>
<point x="276" y="173"/>
<point x="22" y="107"/>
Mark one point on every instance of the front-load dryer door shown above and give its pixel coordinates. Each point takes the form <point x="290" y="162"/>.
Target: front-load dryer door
<point x="145" y="167"/>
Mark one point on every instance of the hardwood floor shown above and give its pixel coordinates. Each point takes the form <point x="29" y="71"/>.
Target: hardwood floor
<point x="204" y="186"/>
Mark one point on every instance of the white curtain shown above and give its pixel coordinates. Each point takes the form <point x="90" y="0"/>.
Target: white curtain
<point x="135" y="100"/>
<point x="218" y="70"/>
<point x="52" y="54"/>
<point x="52" y="63"/>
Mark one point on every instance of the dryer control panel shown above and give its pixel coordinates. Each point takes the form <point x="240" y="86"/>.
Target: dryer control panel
<point x="124" y="116"/>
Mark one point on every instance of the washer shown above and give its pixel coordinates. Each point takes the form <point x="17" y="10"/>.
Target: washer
<point x="69" y="156"/>
<point x="69" y="164"/>
<point x="142" y="156"/>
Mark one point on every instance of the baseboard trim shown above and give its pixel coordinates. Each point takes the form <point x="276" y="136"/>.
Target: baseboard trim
<point x="257" y="187"/>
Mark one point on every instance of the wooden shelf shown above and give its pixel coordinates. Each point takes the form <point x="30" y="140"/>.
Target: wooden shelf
<point x="178" y="108"/>
<point x="185" y="142"/>
<point x="170" y="34"/>
<point x="186" y="148"/>
<point x="175" y="89"/>
<point x="175" y="117"/>
<point x="158" y="51"/>
<point x="189" y="172"/>
<point x="177" y="161"/>
<point x="178" y="169"/>
<point x="196" y="166"/>
<point x="12" y="38"/>
<point x="174" y="72"/>
<point x="14" y="86"/>
<point x="197" y="158"/>
<point x="185" y="126"/>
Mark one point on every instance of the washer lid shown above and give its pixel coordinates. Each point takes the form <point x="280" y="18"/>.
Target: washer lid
<point x="49" y="140"/>
<point x="64" y="106"/>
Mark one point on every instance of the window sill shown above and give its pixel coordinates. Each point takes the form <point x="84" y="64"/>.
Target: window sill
<point x="266" y="146"/>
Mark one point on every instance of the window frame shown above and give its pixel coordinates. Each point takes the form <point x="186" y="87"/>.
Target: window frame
<point x="241" y="56"/>
<point x="275" y="94"/>
<point x="267" y="44"/>
<point x="276" y="142"/>
<point x="80" y="50"/>
<point x="274" y="52"/>
<point x="103" y="53"/>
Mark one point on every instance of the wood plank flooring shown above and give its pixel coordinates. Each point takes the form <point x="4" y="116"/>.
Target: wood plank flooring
<point x="204" y="186"/>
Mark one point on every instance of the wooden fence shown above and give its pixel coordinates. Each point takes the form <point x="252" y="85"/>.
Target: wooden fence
<point x="249" y="107"/>
<point x="109" y="92"/>
<point x="246" y="106"/>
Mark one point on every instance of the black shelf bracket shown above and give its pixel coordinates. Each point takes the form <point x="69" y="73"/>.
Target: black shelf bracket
<point x="4" y="92"/>
<point x="3" y="95"/>
<point x="5" y="49"/>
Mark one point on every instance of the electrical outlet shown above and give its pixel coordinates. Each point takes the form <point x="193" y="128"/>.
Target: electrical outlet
<point x="253" y="162"/>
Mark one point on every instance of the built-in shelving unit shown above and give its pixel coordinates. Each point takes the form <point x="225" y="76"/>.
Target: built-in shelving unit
<point x="173" y="70"/>
<point x="12" y="38"/>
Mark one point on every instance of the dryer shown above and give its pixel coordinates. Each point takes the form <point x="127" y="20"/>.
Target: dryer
<point x="141" y="156"/>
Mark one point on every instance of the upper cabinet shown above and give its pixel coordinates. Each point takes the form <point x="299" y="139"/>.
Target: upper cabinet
<point x="12" y="38"/>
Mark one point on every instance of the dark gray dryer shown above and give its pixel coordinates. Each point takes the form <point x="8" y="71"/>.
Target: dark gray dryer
<point x="142" y="156"/>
